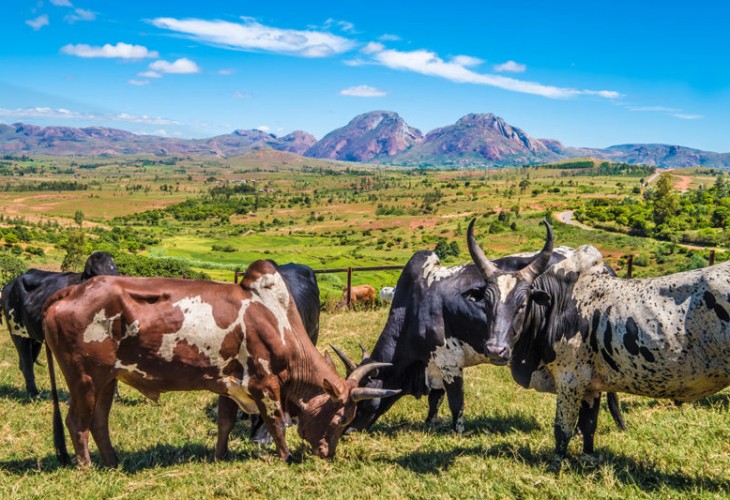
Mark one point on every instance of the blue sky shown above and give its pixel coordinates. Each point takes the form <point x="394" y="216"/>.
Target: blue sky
<point x="587" y="73"/>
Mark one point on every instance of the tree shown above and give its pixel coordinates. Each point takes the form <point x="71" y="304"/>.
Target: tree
<point x="75" y="247"/>
<point x="79" y="218"/>
<point x="666" y="200"/>
<point x="10" y="267"/>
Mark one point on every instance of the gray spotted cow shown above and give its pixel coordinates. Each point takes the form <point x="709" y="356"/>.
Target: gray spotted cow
<point x="579" y="331"/>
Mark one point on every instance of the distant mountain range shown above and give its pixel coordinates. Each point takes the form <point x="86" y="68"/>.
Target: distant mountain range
<point x="375" y="137"/>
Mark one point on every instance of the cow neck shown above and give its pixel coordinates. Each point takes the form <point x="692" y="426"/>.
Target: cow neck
<point x="307" y="374"/>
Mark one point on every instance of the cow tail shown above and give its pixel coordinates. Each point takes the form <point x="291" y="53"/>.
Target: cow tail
<point x="615" y="411"/>
<point x="59" y="439"/>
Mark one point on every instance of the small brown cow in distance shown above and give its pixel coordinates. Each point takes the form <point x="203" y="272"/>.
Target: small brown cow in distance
<point x="359" y="295"/>
<point x="246" y="342"/>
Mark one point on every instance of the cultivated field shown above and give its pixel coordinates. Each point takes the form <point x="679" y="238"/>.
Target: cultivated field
<point x="329" y="214"/>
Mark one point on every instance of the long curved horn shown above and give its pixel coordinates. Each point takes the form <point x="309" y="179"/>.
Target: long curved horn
<point x="540" y="264"/>
<point x="363" y="370"/>
<point x="365" y="354"/>
<point x="486" y="268"/>
<point x="363" y="393"/>
<point x="349" y="365"/>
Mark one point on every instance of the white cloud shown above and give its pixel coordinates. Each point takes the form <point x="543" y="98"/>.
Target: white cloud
<point x="345" y="26"/>
<point x="263" y="128"/>
<point x="467" y="60"/>
<point x="226" y="71"/>
<point x="510" y="67"/>
<point x="241" y="95"/>
<point x="182" y="66"/>
<point x="38" y="22"/>
<point x="657" y="109"/>
<point x="65" y="114"/>
<point x="428" y="63"/>
<point x="685" y="116"/>
<point x="139" y="83"/>
<point x="363" y="91"/>
<point x="61" y="3"/>
<point x="80" y="15"/>
<point x="372" y="48"/>
<point x="387" y="37"/>
<point x="120" y="50"/>
<point x="149" y="74"/>
<point x="250" y="35"/>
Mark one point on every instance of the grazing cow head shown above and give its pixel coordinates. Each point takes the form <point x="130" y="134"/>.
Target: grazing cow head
<point x="327" y="415"/>
<point x="99" y="264"/>
<point x="506" y="295"/>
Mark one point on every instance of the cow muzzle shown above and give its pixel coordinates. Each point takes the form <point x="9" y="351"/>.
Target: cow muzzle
<point x="497" y="354"/>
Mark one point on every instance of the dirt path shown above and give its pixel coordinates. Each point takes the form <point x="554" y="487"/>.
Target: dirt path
<point x="682" y="183"/>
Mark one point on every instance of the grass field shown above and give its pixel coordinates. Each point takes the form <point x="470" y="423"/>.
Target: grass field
<point x="166" y="448"/>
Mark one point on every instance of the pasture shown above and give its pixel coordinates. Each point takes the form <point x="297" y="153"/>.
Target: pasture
<point x="331" y="214"/>
<point x="507" y="450"/>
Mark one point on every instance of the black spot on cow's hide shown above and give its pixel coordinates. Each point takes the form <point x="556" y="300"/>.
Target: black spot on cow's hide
<point x="595" y="323"/>
<point x="583" y="327"/>
<point x="631" y="339"/>
<point x="712" y="304"/>
<point x="647" y="354"/>
<point x="608" y="337"/>
<point x="609" y="360"/>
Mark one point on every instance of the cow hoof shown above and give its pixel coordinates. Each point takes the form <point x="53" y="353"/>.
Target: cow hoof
<point x="589" y="460"/>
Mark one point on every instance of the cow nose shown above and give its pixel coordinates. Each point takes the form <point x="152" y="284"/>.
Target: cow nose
<point x="498" y="355"/>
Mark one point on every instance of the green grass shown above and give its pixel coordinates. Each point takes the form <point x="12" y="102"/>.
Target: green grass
<point x="166" y="448"/>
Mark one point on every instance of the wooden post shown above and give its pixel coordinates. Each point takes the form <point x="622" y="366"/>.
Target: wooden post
<point x="630" y="269"/>
<point x="712" y="257"/>
<point x="349" y="286"/>
<point x="236" y="274"/>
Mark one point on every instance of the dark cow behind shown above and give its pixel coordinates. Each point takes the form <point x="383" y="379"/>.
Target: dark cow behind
<point x="245" y="341"/>
<point x="22" y="302"/>
<point x="579" y="331"/>
<point x="302" y="284"/>
<point x="435" y="328"/>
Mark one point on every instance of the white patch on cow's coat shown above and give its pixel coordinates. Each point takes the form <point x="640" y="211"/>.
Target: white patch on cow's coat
<point x="265" y="365"/>
<point x="434" y="271"/>
<point x="15" y="327"/>
<point x="272" y="292"/>
<point x="132" y="329"/>
<point x="448" y="361"/>
<point x="100" y="327"/>
<point x="129" y="368"/>
<point x="581" y="260"/>
<point x="199" y="329"/>
<point x="506" y="283"/>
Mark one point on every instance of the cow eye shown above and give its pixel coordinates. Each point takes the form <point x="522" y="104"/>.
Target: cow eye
<point x="474" y="294"/>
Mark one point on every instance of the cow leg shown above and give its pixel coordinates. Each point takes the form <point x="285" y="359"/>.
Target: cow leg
<point x="275" y="419"/>
<point x="570" y="391"/>
<point x="100" y="424"/>
<point x="588" y="420"/>
<point x="78" y="420"/>
<point x="435" y="398"/>
<point x="227" y="413"/>
<point x="27" y="355"/>
<point x="455" y="395"/>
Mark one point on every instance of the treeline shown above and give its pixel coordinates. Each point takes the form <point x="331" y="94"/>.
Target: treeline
<point x="700" y="216"/>
<point x="46" y="186"/>
<point x="588" y="167"/>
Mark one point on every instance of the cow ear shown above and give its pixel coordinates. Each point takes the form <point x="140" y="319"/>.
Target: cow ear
<point x="332" y="390"/>
<point x="329" y="359"/>
<point x="474" y="294"/>
<point x="540" y="297"/>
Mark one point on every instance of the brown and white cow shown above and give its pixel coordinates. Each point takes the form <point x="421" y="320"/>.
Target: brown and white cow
<point x="243" y="341"/>
<point x="359" y="295"/>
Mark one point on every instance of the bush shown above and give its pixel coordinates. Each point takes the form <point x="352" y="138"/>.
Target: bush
<point x="10" y="267"/>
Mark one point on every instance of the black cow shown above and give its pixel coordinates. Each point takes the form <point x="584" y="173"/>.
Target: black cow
<point x="302" y="284"/>
<point x="22" y="302"/>
<point x="578" y="331"/>
<point x="435" y="328"/>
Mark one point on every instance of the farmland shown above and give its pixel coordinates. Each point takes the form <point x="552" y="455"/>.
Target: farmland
<point x="216" y="216"/>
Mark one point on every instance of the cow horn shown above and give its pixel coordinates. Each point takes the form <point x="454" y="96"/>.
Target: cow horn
<point x="363" y="393"/>
<point x="365" y="353"/>
<point x="486" y="268"/>
<point x="349" y="365"/>
<point x="540" y="264"/>
<point x="328" y="358"/>
<point x="363" y="370"/>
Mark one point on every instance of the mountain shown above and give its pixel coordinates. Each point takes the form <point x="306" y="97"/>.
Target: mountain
<point x="30" y="139"/>
<point x="378" y="137"/>
<point x="374" y="135"/>
<point x="477" y="139"/>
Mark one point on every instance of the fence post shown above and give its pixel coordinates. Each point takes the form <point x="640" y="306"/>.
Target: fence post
<point x="630" y="270"/>
<point x="349" y="286"/>
<point x="712" y="257"/>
